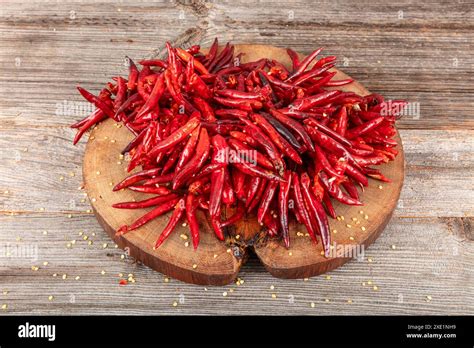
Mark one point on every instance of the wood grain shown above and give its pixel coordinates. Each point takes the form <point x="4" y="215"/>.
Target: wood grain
<point x="425" y="56"/>
<point x="432" y="258"/>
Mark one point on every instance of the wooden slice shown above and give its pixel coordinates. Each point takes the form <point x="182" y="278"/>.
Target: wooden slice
<point x="215" y="262"/>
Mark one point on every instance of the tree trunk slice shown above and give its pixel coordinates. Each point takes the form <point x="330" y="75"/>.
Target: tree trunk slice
<point x="215" y="262"/>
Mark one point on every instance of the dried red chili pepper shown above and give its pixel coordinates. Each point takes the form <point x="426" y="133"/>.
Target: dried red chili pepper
<point x="304" y="63"/>
<point x="301" y="207"/>
<point x="175" y="137"/>
<point x="295" y="126"/>
<point x="97" y="116"/>
<point x="191" y="206"/>
<point x="316" y="212"/>
<point x="150" y="202"/>
<point x="173" y="221"/>
<point x="188" y="149"/>
<point x="158" y="211"/>
<point x="134" y="178"/>
<point x="311" y="101"/>
<point x="283" y="195"/>
<point x="217" y="176"/>
<point x="200" y="156"/>
<point x="150" y="189"/>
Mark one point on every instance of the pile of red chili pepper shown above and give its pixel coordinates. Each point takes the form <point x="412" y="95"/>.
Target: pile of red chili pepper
<point x="211" y="133"/>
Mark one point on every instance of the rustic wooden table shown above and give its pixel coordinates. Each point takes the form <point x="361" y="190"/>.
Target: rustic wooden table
<point x="52" y="250"/>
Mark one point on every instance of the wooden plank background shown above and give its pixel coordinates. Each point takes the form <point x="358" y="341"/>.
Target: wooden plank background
<point x="421" y="51"/>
